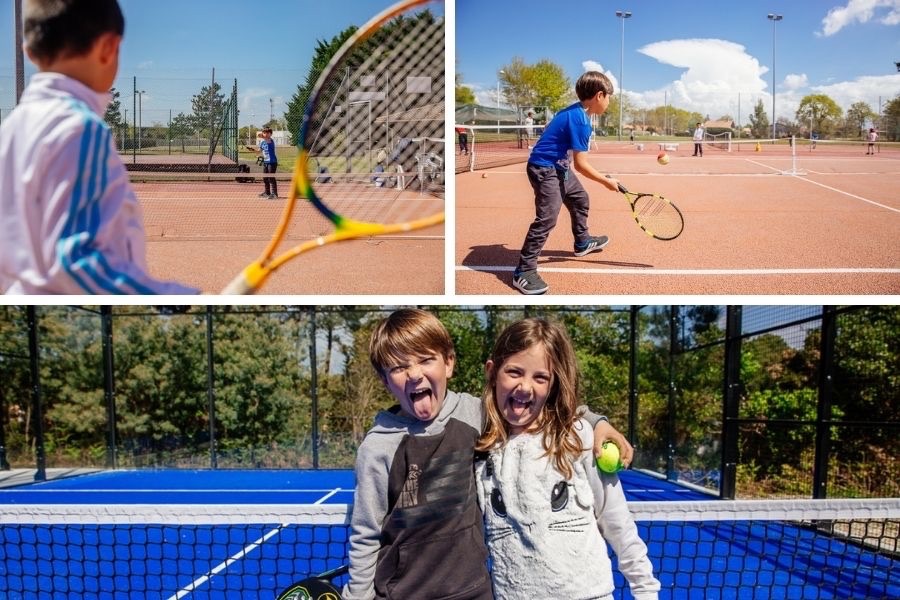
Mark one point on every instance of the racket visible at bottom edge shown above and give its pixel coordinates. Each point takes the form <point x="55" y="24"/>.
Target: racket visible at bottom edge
<point x="655" y="214"/>
<point x="317" y="587"/>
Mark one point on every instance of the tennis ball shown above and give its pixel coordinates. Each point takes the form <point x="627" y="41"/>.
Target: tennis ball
<point x="609" y="461"/>
<point x="662" y="158"/>
<point x="484" y="175"/>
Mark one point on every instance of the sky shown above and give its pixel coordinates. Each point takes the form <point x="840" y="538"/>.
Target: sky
<point x="172" y="47"/>
<point x="710" y="56"/>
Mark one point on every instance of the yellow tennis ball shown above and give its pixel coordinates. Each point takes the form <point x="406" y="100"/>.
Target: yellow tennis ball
<point x="662" y="158"/>
<point x="609" y="461"/>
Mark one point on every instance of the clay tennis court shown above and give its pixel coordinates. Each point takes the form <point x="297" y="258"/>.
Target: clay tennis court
<point x="202" y="233"/>
<point x="749" y="227"/>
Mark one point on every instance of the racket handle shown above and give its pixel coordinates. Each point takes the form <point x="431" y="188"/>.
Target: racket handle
<point x="238" y="287"/>
<point x="247" y="281"/>
<point x="621" y="187"/>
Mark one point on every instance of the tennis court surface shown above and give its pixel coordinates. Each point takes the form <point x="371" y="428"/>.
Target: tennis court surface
<point x="760" y="218"/>
<point x="242" y="534"/>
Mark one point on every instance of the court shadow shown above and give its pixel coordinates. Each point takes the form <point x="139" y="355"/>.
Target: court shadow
<point x="499" y="260"/>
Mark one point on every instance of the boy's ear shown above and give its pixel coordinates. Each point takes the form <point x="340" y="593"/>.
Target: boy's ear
<point x="107" y="47"/>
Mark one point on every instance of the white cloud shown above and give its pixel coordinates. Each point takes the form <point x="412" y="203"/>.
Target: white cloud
<point x="866" y="89"/>
<point x="719" y="77"/>
<point x="861" y="11"/>
<point x="795" y="82"/>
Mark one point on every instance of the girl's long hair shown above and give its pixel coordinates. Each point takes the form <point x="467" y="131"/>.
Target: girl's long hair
<point x="559" y="415"/>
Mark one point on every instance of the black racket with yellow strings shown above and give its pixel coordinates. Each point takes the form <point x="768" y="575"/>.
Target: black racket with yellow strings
<point x="655" y="214"/>
<point x="384" y="88"/>
<point x="318" y="587"/>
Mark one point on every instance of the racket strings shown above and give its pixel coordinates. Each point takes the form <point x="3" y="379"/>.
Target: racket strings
<point x="657" y="216"/>
<point x="375" y="134"/>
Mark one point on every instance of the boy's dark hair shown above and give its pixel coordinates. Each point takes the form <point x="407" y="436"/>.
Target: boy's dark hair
<point x="592" y="82"/>
<point x="60" y="28"/>
<point x="405" y="332"/>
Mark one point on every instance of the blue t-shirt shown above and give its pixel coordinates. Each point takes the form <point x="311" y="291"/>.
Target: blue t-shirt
<point x="570" y="129"/>
<point x="268" y="152"/>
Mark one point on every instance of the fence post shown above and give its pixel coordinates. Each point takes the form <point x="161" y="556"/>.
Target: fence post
<point x="109" y="393"/>
<point x="823" y="405"/>
<point x="731" y="402"/>
<point x="314" y="386"/>
<point x="633" y="378"/>
<point x="37" y="416"/>
<point x="210" y="389"/>
<point x="671" y="474"/>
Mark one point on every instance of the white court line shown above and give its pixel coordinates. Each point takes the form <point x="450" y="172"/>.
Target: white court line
<point x="828" y="187"/>
<point x="236" y="557"/>
<point x="650" y="271"/>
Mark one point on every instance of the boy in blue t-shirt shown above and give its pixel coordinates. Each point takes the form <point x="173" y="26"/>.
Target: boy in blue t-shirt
<point x="554" y="184"/>
<point x="270" y="164"/>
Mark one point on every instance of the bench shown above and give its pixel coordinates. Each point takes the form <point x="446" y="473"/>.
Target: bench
<point x="668" y="147"/>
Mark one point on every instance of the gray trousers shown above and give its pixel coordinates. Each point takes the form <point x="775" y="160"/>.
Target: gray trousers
<point x="553" y="188"/>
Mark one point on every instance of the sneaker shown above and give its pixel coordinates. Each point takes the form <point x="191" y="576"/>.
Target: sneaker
<point x="272" y="196"/>
<point x="264" y="195"/>
<point x="593" y="244"/>
<point x="529" y="282"/>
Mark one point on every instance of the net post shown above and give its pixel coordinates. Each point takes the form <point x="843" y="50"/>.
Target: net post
<point x="730" y="406"/>
<point x="106" y="329"/>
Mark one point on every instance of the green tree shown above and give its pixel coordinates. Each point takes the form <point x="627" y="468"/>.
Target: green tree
<point x="209" y="108"/>
<point x="890" y="120"/>
<point x="858" y="115"/>
<point x="464" y="94"/>
<point x="819" y="110"/>
<point x="181" y="128"/>
<point x="549" y="85"/>
<point x="759" y="121"/>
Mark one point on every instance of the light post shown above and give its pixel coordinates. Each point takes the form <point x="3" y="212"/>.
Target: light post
<point x="499" y="73"/>
<point x="774" y="18"/>
<point x="622" y="14"/>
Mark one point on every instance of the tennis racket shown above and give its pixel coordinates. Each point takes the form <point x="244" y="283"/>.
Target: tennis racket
<point x="317" y="587"/>
<point x="655" y="214"/>
<point x="384" y="88"/>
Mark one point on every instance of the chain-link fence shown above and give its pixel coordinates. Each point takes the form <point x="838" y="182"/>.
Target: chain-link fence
<point x="746" y="402"/>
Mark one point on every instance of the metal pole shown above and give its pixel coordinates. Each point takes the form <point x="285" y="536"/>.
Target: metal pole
<point x="731" y="403"/>
<point x="37" y="417"/>
<point x="622" y="15"/>
<point x="774" y="18"/>
<point x="210" y="389"/>
<point x="20" y="57"/>
<point x="633" y="377"/>
<point x="671" y="474"/>
<point x="823" y="407"/>
<point x="314" y="386"/>
<point x="109" y="392"/>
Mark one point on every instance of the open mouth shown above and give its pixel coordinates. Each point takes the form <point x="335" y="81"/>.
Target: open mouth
<point x="519" y="406"/>
<point x="419" y="395"/>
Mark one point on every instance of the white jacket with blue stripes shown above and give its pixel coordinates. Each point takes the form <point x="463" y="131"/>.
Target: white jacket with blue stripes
<point x="70" y="222"/>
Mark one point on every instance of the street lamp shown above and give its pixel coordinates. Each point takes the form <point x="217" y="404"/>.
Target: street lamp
<point x="622" y="15"/>
<point x="774" y="18"/>
<point x="501" y="72"/>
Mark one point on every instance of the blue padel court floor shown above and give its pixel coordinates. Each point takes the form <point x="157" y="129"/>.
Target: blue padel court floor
<point x="200" y="535"/>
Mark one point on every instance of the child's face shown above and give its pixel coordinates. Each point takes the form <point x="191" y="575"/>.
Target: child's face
<point x="522" y="385"/>
<point x="419" y="383"/>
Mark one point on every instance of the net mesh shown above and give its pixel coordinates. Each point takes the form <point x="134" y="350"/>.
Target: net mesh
<point x="699" y="549"/>
<point x="376" y="121"/>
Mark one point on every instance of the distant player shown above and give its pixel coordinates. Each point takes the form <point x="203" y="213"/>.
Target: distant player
<point x="871" y="138"/>
<point x="698" y="140"/>
<point x="70" y="222"/>
<point x="270" y="164"/>
<point x="555" y="185"/>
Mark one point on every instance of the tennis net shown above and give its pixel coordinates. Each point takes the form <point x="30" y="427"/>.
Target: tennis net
<point x="699" y="549"/>
<point x="718" y="141"/>
<point x="485" y="146"/>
